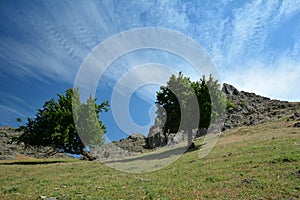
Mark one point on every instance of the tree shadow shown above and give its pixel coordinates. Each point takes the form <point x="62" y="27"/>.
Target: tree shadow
<point x="159" y="155"/>
<point x="46" y="162"/>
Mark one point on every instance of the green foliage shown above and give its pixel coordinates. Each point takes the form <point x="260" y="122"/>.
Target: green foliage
<point x="179" y="92"/>
<point x="176" y="93"/>
<point x="218" y="100"/>
<point x="242" y="104"/>
<point x="54" y="124"/>
<point x="229" y="104"/>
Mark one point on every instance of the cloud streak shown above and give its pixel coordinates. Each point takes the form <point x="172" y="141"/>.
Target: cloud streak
<point x="255" y="44"/>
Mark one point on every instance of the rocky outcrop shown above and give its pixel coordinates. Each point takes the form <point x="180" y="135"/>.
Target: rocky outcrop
<point x="295" y="117"/>
<point x="250" y="109"/>
<point x="297" y="125"/>
<point x="9" y="150"/>
<point x="134" y="144"/>
<point x="156" y="137"/>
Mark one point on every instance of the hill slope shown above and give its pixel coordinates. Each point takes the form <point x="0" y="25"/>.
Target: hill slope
<point x="248" y="162"/>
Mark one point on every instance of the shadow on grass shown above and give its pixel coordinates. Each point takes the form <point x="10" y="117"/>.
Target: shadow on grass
<point x="158" y="156"/>
<point x="46" y="162"/>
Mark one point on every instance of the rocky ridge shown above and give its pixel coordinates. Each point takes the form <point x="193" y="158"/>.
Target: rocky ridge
<point x="250" y="109"/>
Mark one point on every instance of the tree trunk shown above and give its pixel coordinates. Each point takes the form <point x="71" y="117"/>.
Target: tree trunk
<point x="191" y="145"/>
<point x="87" y="156"/>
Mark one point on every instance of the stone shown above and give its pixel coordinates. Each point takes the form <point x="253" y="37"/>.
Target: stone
<point x="229" y="89"/>
<point x="297" y="125"/>
<point x="157" y="140"/>
<point x="201" y="132"/>
<point x="136" y="136"/>
<point x="251" y="109"/>
<point x="9" y="149"/>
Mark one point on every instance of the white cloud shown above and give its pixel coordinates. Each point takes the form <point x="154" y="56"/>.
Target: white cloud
<point x="243" y="56"/>
<point x="278" y="82"/>
<point x="57" y="36"/>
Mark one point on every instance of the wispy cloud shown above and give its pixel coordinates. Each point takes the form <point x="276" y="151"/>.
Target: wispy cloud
<point x="244" y="55"/>
<point x="279" y="82"/>
<point x="48" y="41"/>
<point x="13" y="107"/>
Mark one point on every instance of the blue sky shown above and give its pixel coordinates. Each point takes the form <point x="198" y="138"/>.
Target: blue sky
<point x="255" y="46"/>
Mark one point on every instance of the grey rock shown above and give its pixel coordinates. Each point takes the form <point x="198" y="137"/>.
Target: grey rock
<point x="201" y="132"/>
<point x="251" y="109"/>
<point x="297" y="125"/>
<point x="9" y="149"/>
<point x="157" y="139"/>
<point x="295" y="116"/>
<point x="136" y="136"/>
<point x="229" y="89"/>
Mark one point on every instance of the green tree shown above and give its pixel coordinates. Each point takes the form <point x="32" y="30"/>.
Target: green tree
<point x="177" y="98"/>
<point x="212" y="101"/>
<point x="204" y="102"/>
<point x="218" y="100"/>
<point x="58" y="123"/>
<point x="179" y="101"/>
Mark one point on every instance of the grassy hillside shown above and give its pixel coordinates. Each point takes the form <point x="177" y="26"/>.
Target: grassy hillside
<point x="257" y="162"/>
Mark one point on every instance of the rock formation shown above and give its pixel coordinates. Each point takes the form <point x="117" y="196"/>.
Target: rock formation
<point x="9" y="150"/>
<point x="251" y="109"/>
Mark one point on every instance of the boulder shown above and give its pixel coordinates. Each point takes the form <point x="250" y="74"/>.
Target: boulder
<point x="297" y="125"/>
<point x="157" y="139"/>
<point x="229" y="89"/>
<point x="134" y="143"/>
<point x="201" y="132"/>
<point x="136" y="136"/>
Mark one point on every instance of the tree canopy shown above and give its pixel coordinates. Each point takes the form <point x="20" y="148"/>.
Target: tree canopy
<point x="67" y="124"/>
<point x="177" y="96"/>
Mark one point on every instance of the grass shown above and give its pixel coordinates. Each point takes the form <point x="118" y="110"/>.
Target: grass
<point x="258" y="162"/>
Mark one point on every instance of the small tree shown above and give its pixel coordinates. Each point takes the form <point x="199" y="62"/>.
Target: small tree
<point x="54" y="124"/>
<point x="177" y="96"/>
<point x="180" y="106"/>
